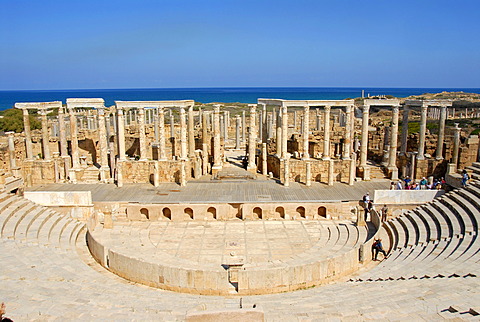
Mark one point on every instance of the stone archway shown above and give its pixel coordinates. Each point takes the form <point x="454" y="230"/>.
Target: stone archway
<point x="211" y="213"/>
<point x="144" y="213"/>
<point x="301" y="211"/>
<point x="257" y="213"/>
<point x="188" y="212"/>
<point x="280" y="212"/>
<point x="167" y="213"/>
<point x="322" y="212"/>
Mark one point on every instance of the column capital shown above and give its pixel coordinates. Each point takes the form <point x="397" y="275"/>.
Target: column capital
<point x="327" y="108"/>
<point x="395" y="108"/>
<point x="348" y="108"/>
<point x="366" y="108"/>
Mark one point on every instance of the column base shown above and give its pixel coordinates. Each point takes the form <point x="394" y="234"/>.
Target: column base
<point x="451" y="168"/>
<point x="252" y="169"/>
<point x="438" y="158"/>
<point x="393" y="173"/>
<point x="365" y="172"/>
<point x="325" y="158"/>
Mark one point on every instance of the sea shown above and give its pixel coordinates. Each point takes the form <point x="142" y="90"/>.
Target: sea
<point x="210" y="95"/>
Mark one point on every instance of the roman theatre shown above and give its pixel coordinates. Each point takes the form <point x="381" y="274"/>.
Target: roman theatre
<point x="176" y="210"/>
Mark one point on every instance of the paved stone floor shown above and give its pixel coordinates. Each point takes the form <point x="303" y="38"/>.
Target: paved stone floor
<point x="205" y="190"/>
<point x="219" y="242"/>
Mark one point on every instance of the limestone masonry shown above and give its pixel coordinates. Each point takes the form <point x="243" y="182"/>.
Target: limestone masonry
<point x="175" y="210"/>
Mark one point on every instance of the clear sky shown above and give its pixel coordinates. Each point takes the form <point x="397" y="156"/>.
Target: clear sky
<point x="70" y="44"/>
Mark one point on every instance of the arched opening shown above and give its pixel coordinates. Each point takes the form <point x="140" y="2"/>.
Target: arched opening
<point x="301" y="211"/>
<point x="144" y="213"/>
<point x="167" y="213"/>
<point x="322" y="212"/>
<point x="279" y="212"/>
<point x="212" y="213"/>
<point x="318" y="178"/>
<point x="189" y="212"/>
<point x="257" y="213"/>
<point x="297" y="178"/>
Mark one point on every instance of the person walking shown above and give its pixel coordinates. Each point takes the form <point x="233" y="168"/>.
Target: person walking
<point x="465" y="178"/>
<point x="377" y="247"/>
<point x="384" y="212"/>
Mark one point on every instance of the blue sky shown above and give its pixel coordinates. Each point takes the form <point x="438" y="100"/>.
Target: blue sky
<point x="69" y="44"/>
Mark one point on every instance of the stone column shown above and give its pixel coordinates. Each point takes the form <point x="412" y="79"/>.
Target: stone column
<point x="28" y="134"/>
<point x="326" y="134"/>
<point x="252" y="139"/>
<point x="264" y="132"/>
<point x="45" y="136"/>
<point x="103" y="143"/>
<point x="284" y="132"/>
<point x="217" y="158"/>
<point x="264" y="159"/>
<point x="294" y="121"/>
<point x="62" y="132"/>
<point x="191" y="134"/>
<point x="121" y="134"/>
<point x="330" y="172"/>
<point x="183" y="170"/>
<point x="161" y="135"/>
<point x="183" y="135"/>
<point x="456" y="144"/>
<point x="278" y="139"/>
<point x="364" y="143"/>
<point x="204" y="157"/>
<point x="441" y="132"/>
<point x="141" y="132"/>
<point x="244" y="127"/>
<point x="308" y="174"/>
<point x="286" y="171"/>
<point x="404" y="137"/>
<point x="353" y="167"/>
<point x="306" y="127"/>
<point x="260" y="126"/>
<point x="237" y="132"/>
<point x="317" y="116"/>
<point x="392" y="159"/>
<point x="423" y="129"/>
<point x="205" y="137"/>
<point x="156" y="129"/>
<point x="172" y="125"/>
<point x="74" y="139"/>
<point x="11" y="151"/>
<point x="347" y="142"/>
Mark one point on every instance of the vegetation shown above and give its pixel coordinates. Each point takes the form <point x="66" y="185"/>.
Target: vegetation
<point x="12" y="120"/>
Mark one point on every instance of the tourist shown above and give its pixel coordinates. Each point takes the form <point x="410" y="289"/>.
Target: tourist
<point x="407" y="180"/>
<point x="399" y="185"/>
<point x="377" y="247"/>
<point x="384" y="212"/>
<point x="366" y="200"/>
<point x="465" y="178"/>
<point x="392" y="185"/>
<point x="423" y="184"/>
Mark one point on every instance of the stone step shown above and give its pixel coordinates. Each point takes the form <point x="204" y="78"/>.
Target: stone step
<point x="35" y="227"/>
<point x="10" y="225"/>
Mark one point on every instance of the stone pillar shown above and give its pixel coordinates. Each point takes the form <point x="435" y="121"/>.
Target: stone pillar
<point x="456" y="144"/>
<point x="28" y="134"/>
<point x="353" y="167"/>
<point x="141" y="132"/>
<point x="347" y="142"/>
<point x="364" y="144"/>
<point x="326" y="134"/>
<point x="308" y="174"/>
<point x="237" y="132"/>
<point x="286" y="171"/>
<point x="284" y="132"/>
<point x="278" y="134"/>
<point x="441" y="132"/>
<point x="423" y="129"/>
<point x="121" y="135"/>
<point x="183" y="170"/>
<point x="172" y="126"/>
<point x="45" y="135"/>
<point x="317" y="116"/>
<point x="331" y="173"/>
<point x="162" y="155"/>
<point x="217" y="158"/>
<point x="413" y="165"/>
<point x="204" y="157"/>
<point x="205" y="137"/>
<point x="191" y="134"/>
<point x="252" y="139"/>
<point x="264" y="159"/>
<point x="244" y="127"/>
<point x="306" y="127"/>
<point x="404" y="138"/>
<point x="74" y="139"/>
<point x="62" y="132"/>
<point x="260" y="126"/>
<point x="11" y="151"/>
<point x="392" y="159"/>
<point x="294" y="121"/>
<point x="103" y="143"/>
<point x="183" y="135"/>
<point x="156" y="129"/>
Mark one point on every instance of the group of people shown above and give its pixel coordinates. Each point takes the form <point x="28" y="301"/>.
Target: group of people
<point x="423" y="184"/>
<point x="368" y="206"/>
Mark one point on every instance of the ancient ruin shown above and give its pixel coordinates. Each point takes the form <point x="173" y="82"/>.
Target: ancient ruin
<point x="245" y="205"/>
